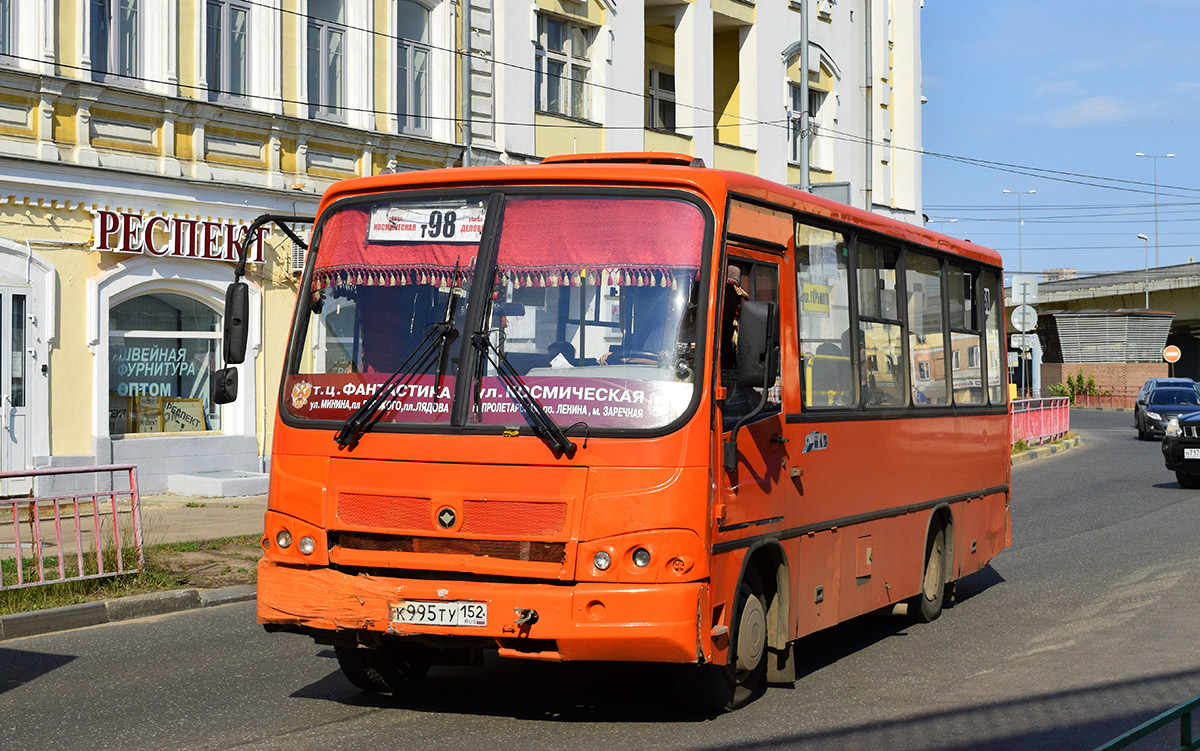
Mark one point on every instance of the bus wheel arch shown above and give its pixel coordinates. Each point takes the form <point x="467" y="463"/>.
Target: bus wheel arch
<point x="767" y="657"/>
<point x="937" y="567"/>
<point x="759" y="649"/>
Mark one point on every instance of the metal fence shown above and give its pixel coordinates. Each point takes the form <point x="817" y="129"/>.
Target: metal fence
<point x="1037" y="421"/>
<point x="1116" y="397"/>
<point x="1183" y="713"/>
<point x="71" y="537"/>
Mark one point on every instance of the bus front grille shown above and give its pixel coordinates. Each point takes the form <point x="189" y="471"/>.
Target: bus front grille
<point x="513" y="550"/>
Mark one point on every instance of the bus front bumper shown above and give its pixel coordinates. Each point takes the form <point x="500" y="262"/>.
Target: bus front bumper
<point x="651" y="623"/>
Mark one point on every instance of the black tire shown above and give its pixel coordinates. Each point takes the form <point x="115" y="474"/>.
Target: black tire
<point x="1189" y="481"/>
<point x="724" y="688"/>
<point x="927" y="606"/>
<point x="386" y="670"/>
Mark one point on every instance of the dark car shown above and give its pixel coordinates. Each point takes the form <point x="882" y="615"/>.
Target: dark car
<point x="1181" y="449"/>
<point x="1143" y="397"/>
<point x="1167" y="402"/>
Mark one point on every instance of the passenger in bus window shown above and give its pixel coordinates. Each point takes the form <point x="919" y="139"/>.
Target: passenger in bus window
<point x="872" y="395"/>
<point x="561" y="354"/>
<point x="734" y="297"/>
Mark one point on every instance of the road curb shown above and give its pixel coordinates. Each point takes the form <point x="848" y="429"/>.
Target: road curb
<point x="118" y="609"/>
<point x="1044" y="451"/>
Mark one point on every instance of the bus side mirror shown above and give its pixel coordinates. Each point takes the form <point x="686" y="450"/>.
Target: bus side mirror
<point x="225" y="385"/>
<point x="758" y="344"/>
<point x="237" y="323"/>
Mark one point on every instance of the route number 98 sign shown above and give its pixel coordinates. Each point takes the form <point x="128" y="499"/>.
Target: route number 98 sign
<point x="443" y="222"/>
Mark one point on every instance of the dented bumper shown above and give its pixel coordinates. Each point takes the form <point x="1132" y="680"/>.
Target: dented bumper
<point x="583" y="621"/>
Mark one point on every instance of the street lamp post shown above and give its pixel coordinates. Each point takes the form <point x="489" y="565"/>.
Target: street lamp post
<point x="1020" y="270"/>
<point x="1020" y="223"/>
<point x="1155" y="158"/>
<point x="942" y="223"/>
<point x="1146" y="242"/>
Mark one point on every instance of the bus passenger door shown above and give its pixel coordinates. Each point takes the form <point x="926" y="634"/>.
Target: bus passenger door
<point x="753" y="495"/>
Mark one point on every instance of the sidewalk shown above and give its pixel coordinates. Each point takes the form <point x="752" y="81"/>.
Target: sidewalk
<point x="1039" y="452"/>
<point x="165" y="518"/>
<point x="176" y="518"/>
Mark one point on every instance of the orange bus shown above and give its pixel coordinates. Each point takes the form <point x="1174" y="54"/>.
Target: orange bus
<point x="624" y="407"/>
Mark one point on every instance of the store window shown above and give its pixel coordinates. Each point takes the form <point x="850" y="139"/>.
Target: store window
<point x="162" y="352"/>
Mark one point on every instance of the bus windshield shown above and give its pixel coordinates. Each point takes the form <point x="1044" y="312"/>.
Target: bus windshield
<point x="590" y="300"/>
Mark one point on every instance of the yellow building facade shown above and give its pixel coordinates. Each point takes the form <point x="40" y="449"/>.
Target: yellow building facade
<point x="139" y="140"/>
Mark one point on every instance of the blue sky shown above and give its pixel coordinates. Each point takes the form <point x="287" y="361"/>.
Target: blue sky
<point x="1057" y="96"/>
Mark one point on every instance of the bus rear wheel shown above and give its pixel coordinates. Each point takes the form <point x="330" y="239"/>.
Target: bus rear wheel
<point x="724" y="688"/>
<point x="383" y="670"/>
<point x="927" y="606"/>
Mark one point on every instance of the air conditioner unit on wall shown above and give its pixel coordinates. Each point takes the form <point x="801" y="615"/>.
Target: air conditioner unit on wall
<point x="296" y="258"/>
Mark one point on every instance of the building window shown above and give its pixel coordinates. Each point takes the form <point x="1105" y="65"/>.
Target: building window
<point x="412" y="67"/>
<point x="326" y="58"/>
<point x="226" y="48"/>
<point x="162" y="353"/>
<point x="660" y="101"/>
<point x="797" y="122"/>
<point x="114" y="39"/>
<point x="8" y="43"/>
<point x="562" y="67"/>
<point x="816" y="142"/>
<point x="813" y="107"/>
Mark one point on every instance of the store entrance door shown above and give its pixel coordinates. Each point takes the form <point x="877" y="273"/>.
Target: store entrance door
<point x="15" y="369"/>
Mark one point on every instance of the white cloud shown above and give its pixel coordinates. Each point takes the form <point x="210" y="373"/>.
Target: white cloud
<point x="1093" y="111"/>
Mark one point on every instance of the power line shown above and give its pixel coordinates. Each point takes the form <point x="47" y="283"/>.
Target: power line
<point x="1086" y="180"/>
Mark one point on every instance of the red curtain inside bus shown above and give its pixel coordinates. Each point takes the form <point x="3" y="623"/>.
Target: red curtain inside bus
<point x="544" y="241"/>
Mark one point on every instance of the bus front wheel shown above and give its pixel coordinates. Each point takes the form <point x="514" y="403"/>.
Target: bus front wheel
<point x="383" y="670"/>
<point x="723" y="688"/>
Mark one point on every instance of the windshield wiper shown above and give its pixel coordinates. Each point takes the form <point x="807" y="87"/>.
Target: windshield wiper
<point x="439" y="336"/>
<point x="369" y="412"/>
<point x="543" y="425"/>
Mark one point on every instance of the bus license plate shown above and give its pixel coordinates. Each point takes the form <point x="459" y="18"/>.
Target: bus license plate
<point x="440" y="613"/>
<point x="1191" y="453"/>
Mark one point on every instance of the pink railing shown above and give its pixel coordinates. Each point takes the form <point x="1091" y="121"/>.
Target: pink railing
<point x="88" y="529"/>
<point x="1111" y="398"/>
<point x="1040" y="420"/>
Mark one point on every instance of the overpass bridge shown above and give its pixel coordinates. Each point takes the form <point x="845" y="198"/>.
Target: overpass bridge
<point x="1175" y="289"/>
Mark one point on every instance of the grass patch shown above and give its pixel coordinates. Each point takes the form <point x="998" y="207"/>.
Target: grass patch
<point x="157" y="576"/>
<point x="1020" y="446"/>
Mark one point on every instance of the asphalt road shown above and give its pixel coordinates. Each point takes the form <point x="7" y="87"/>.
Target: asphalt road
<point x="1084" y="628"/>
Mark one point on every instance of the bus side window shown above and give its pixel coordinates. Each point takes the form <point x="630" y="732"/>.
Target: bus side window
<point x="823" y="328"/>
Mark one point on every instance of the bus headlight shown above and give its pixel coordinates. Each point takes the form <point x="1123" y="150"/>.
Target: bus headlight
<point x="283" y="539"/>
<point x="307" y="545"/>
<point x="602" y="560"/>
<point x="641" y="558"/>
